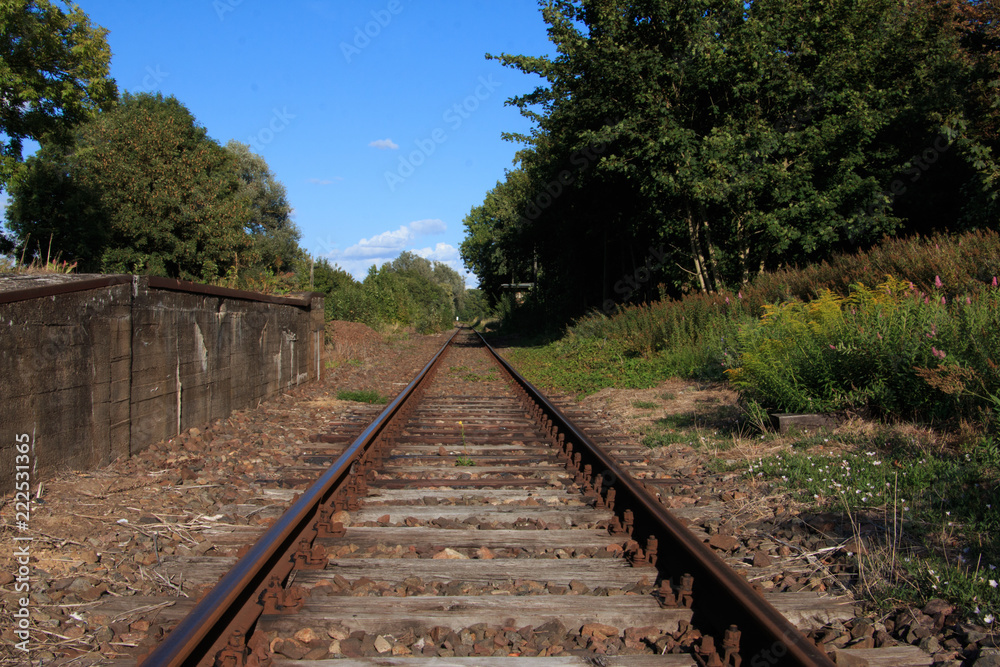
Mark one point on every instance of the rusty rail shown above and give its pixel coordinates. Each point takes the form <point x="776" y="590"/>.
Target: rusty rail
<point x="721" y="597"/>
<point x="232" y="606"/>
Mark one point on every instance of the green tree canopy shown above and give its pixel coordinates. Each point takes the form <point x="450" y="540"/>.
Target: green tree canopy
<point x="695" y="144"/>
<point x="143" y="189"/>
<point x="274" y="237"/>
<point x="53" y="76"/>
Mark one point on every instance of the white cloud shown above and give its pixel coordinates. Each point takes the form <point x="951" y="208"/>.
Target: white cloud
<point x="323" y="181"/>
<point x="380" y="245"/>
<point x="442" y="252"/>
<point x="394" y="242"/>
<point x="384" y="144"/>
<point x="386" y="246"/>
<point x="431" y="226"/>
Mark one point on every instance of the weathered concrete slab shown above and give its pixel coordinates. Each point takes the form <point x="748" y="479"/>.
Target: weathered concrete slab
<point x="98" y="367"/>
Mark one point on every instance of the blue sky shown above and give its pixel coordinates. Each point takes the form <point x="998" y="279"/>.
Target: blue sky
<point x="382" y="118"/>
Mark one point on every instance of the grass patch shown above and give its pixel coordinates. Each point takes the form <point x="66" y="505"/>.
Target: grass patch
<point x="362" y="396"/>
<point x="712" y="428"/>
<point x="486" y="374"/>
<point x="931" y="517"/>
<point x="583" y="366"/>
<point x="645" y="405"/>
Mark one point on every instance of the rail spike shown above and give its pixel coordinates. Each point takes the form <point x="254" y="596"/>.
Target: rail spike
<point x="279" y="600"/>
<point x="731" y="647"/>
<point x="310" y="557"/>
<point x="686" y="593"/>
<point x="706" y="655"/>
<point x="240" y="653"/>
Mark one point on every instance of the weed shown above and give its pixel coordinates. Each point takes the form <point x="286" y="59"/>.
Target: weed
<point x="939" y="510"/>
<point x="657" y="439"/>
<point x="644" y="405"/>
<point x="488" y="374"/>
<point x="361" y="396"/>
<point x="464" y="459"/>
<point x="891" y="350"/>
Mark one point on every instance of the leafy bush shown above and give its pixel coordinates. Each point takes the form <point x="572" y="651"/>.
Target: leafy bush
<point x="894" y="351"/>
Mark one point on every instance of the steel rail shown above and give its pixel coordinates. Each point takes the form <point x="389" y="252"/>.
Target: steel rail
<point x="206" y="624"/>
<point x="767" y="636"/>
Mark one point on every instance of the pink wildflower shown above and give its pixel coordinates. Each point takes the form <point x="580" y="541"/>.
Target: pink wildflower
<point x="994" y="281"/>
<point x="740" y="294"/>
<point x="968" y="300"/>
<point x="943" y="302"/>
<point x="937" y="282"/>
<point x="727" y="300"/>
<point x="832" y="347"/>
<point x="927" y="299"/>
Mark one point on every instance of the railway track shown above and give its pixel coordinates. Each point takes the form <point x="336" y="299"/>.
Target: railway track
<point x="471" y="523"/>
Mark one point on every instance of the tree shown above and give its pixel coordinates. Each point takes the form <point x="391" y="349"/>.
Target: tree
<point x="720" y="138"/>
<point x="49" y="206"/>
<point x="452" y="282"/>
<point x="53" y="76"/>
<point x="274" y="237"/>
<point x="143" y="189"/>
<point x="476" y="306"/>
<point x="498" y="244"/>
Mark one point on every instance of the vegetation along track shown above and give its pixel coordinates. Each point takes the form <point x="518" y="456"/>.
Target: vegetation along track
<point x="482" y="527"/>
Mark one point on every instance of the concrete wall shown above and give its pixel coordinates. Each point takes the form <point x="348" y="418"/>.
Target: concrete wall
<point x="98" y="372"/>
